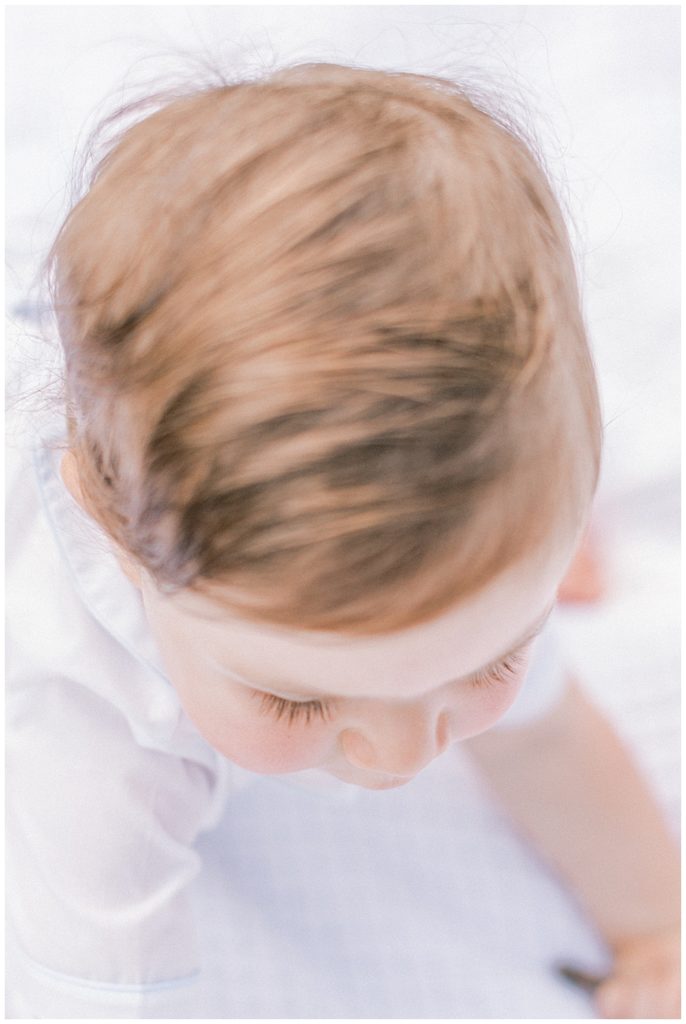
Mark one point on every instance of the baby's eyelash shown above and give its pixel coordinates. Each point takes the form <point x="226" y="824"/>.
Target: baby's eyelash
<point x="294" y="709"/>
<point x="502" y="671"/>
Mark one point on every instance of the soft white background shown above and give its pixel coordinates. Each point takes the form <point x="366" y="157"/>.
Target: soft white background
<point x="600" y="87"/>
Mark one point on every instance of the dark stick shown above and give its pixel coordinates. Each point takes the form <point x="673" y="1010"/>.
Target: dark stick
<point x="582" y="979"/>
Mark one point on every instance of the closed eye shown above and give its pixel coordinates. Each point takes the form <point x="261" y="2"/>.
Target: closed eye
<point x="294" y="710"/>
<point x="503" y="671"/>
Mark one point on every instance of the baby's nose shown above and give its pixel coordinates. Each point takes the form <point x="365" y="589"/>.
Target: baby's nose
<point x="396" y="741"/>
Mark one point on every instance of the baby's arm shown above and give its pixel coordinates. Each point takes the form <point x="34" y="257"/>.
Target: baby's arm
<point x="99" y="862"/>
<point x="570" y="785"/>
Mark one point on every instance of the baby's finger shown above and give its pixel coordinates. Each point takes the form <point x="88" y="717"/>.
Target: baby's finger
<point x="615" y="999"/>
<point x="606" y="999"/>
<point x="659" y="995"/>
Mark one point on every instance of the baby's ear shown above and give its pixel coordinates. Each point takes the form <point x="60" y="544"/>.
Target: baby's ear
<point x="69" y="471"/>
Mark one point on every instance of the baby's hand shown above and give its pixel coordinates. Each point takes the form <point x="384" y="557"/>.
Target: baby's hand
<point x="645" y="981"/>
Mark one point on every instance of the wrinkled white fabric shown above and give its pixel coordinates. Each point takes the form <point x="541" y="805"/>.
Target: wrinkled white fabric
<point x="110" y="784"/>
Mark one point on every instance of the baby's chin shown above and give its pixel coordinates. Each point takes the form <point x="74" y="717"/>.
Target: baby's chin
<point x="370" y="781"/>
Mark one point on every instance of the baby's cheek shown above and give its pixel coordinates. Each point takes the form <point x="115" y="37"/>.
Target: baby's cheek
<point x="255" y="742"/>
<point x="276" y="748"/>
<point x="489" y="707"/>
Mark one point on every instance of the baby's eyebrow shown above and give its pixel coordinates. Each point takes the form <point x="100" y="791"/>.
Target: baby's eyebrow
<point x="309" y="694"/>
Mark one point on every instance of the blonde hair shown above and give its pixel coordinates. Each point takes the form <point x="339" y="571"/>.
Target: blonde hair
<point x="324" y="350"/>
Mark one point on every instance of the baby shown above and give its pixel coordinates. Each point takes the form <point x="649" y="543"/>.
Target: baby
<point x="332" y="439"/>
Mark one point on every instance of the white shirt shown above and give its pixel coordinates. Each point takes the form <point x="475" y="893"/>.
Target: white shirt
<point x="109" y="783"/>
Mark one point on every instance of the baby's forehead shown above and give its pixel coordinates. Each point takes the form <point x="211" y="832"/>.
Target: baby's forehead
<point x="453" y="646"/>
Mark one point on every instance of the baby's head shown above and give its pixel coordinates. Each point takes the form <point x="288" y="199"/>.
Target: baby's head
<point x="330" y="394"/>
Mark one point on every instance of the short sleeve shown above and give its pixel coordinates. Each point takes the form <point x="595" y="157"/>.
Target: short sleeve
<point x="544" y="684"/>
<point x="99" y="862"/>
